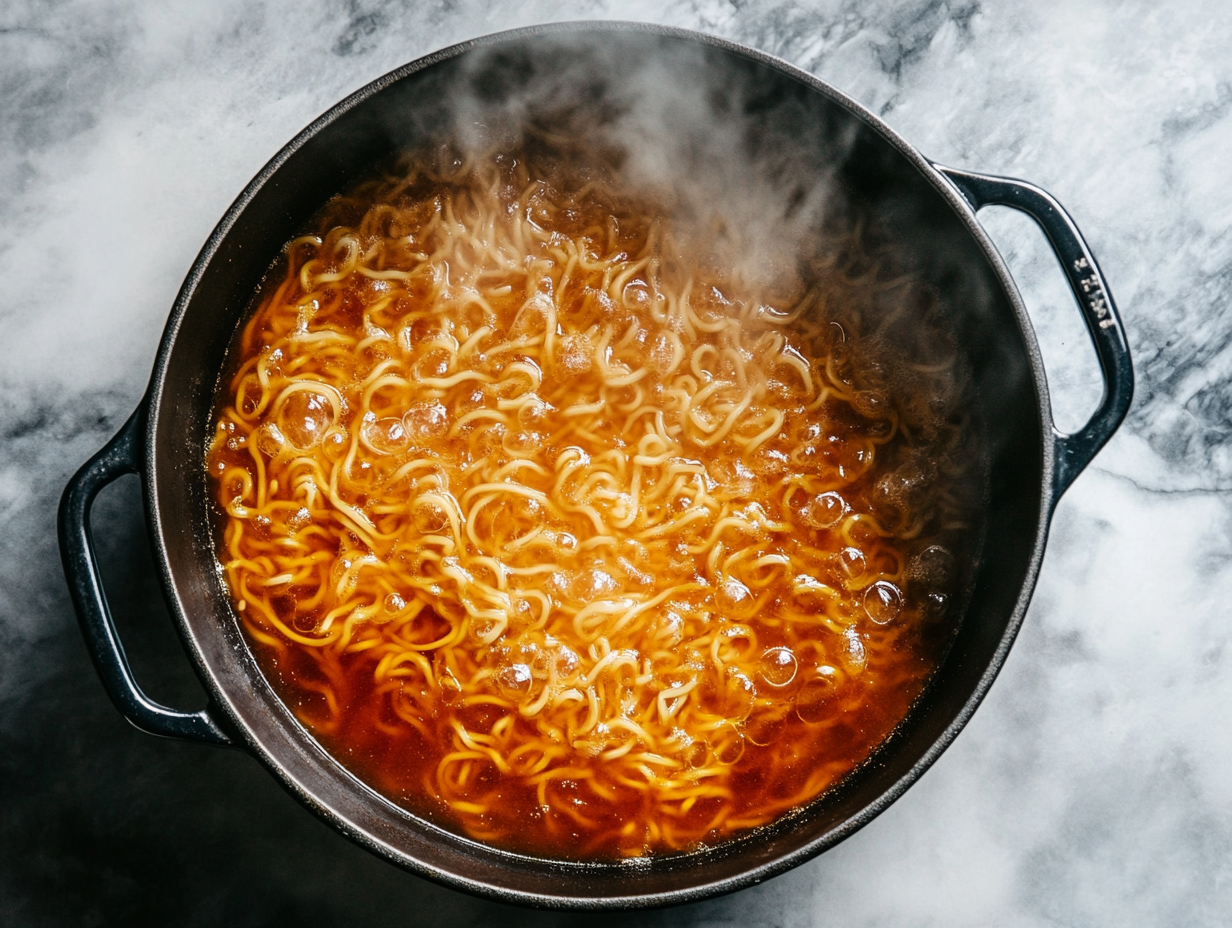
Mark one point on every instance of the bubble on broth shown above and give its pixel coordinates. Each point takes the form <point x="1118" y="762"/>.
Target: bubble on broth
<point x="778" y="666"/>
<point x="426" y="421"/>
<point x="883" y="601"/>
<point x="304" y="418"/>
<point x="385" y="436"/>
<point x="514" y="680"/>
<point x="823" y="511"/>
<point x="814" y="702"/>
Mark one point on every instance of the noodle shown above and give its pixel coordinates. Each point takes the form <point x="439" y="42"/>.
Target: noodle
<point x="563" y="537"/>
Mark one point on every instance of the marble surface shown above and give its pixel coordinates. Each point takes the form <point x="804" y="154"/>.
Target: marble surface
<point x="1092" y="787"/>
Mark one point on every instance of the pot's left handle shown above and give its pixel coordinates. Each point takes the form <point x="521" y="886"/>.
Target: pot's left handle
<point x="120" y="456"/>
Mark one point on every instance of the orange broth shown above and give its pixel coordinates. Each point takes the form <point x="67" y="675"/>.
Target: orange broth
<point x="562" y="534"/>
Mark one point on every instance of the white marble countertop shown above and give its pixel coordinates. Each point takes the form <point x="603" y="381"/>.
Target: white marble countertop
<point x="1091" y="788"/>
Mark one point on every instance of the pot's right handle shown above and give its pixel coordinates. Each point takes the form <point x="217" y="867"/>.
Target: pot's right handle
<point x="120" y="456"/>
<point x="1073" y="452"/>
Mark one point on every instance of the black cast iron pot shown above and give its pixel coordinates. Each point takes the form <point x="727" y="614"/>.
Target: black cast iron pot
<point x="931" y="211"/>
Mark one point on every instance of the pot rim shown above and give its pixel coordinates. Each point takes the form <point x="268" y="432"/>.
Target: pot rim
<point x="218" y="695"/>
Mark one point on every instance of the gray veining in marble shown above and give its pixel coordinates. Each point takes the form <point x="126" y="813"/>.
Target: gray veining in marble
<point x="1093" y="786"/>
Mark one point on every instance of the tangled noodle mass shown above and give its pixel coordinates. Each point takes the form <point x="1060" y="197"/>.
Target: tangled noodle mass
<point x="560" y="532"/>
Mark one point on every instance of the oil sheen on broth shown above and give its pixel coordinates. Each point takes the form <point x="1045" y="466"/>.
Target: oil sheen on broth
<point x="559" y="531"/>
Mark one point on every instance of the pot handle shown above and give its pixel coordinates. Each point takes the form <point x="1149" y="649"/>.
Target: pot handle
<point x="120" y="456"/>
<point x="1073" y="451"/>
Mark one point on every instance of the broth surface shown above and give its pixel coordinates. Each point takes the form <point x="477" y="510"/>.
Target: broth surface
<point x="559" y="530"/>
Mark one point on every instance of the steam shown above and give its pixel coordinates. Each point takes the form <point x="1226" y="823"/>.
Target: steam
<point x="741" y="160"/>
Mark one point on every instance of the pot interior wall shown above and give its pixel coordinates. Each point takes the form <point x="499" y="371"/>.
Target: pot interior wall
<point x="772" y="113"/>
